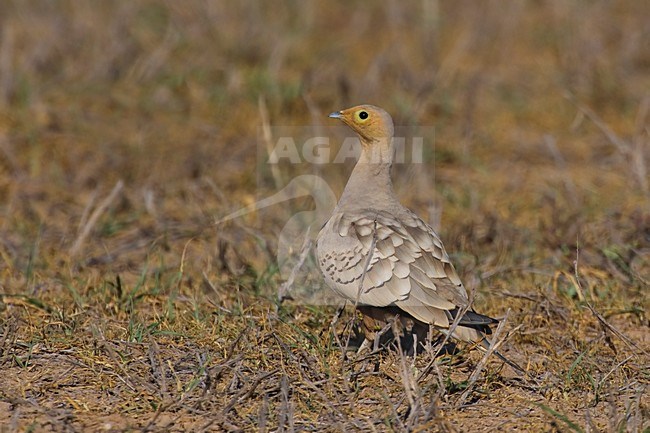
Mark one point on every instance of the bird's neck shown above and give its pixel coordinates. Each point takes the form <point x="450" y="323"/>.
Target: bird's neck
<point x="370" y="184"/>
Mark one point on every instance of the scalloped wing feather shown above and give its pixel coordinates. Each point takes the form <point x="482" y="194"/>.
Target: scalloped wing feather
<point x="409" y="268"/>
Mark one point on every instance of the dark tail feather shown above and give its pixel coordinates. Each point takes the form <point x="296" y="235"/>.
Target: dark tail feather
<point x="472" y="319"/>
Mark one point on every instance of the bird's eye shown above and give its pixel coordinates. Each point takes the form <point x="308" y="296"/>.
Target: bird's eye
<point x="362" y="115"/>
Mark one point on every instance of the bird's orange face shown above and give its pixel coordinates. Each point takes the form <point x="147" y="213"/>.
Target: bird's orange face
<point x="370" y="122"/>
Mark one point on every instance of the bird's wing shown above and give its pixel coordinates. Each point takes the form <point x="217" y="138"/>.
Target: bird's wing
<point x="408" y="265"/>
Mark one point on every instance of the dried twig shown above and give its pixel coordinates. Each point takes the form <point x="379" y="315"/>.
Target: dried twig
<point x="569" y="185"/>
<point x="634" y="154"/>
<point x="7" y="72"/>
<point x="94" y="217"/>
<point x="285" y="415"/>
<point x="496" y="342"/>
<point x="366" y="266"/>
<point x="410" y="385"/>
<point x="363" y="276"/>
<point x="448" y="334"/>
<point x="603" y="322"/>
<point x="267" y="137"/>
<point x="157" y="366"/>
<point x="304" y="252"/>
<point x="382" y="331"/>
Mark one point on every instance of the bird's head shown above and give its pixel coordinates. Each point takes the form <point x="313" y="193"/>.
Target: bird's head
<point x="371" y="123"/>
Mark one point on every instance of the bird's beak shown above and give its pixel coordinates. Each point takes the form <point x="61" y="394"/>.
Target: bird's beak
<point x="336" y="115"/>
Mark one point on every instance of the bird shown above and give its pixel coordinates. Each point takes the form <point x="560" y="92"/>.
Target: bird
<point x="382" y="257"/>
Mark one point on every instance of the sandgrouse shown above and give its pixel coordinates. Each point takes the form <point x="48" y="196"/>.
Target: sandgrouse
<point x="382" y="257"/>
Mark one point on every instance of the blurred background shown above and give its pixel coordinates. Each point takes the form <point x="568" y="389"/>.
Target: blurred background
<point x="540" y="110"/>
<point x="127" y="128"/>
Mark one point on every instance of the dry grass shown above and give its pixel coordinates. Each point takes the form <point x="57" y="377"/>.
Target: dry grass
<point x="127" y="128"/>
